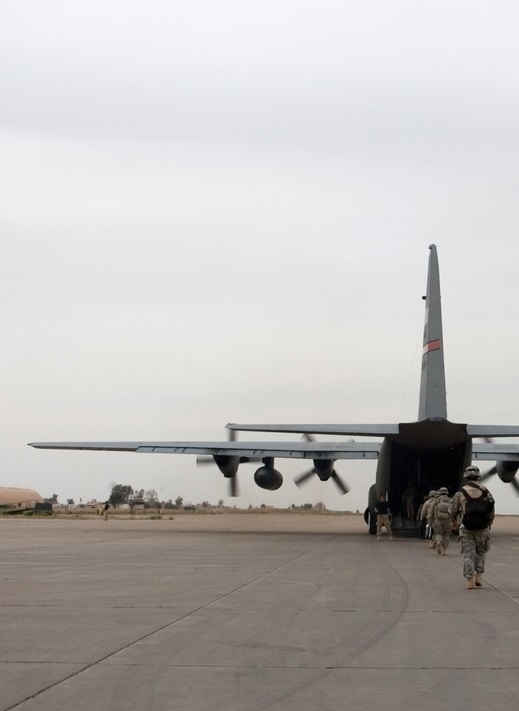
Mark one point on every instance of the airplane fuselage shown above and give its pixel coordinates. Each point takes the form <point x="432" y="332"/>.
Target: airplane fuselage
<point x="424" y="455"/>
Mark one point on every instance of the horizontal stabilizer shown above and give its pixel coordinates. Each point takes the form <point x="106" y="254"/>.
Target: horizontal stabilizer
<point x="351" y="430"/>
<point x="493" y="430"/>
<point x="496" y="452"/>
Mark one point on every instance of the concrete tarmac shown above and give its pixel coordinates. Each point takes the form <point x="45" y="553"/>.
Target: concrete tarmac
<point x="249" y="612"/>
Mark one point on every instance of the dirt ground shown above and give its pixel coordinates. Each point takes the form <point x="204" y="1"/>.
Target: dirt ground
<point x="273" y="522"/>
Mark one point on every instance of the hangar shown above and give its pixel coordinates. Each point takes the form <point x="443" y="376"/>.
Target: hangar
<point x="16" y="498"/>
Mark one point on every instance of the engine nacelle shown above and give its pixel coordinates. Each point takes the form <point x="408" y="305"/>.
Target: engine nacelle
<point x="228" y="465"/>
<point x="267" y="477"/>
<point x="323" y="468"/>
<point x="506" y="470"/>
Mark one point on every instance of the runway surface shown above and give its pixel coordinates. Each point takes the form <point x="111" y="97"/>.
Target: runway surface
<point x="243" y="612"/>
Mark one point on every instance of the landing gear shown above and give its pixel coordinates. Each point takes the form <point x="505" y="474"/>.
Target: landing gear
<point x="371" y="520"/>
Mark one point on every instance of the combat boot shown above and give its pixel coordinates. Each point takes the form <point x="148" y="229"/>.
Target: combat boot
<point x="470" y="583"/>
<point x="439" y="549"/>
<point x="478" y="579"/>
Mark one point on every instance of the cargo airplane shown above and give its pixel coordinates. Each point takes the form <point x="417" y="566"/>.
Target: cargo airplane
<point x="410" y="455"/>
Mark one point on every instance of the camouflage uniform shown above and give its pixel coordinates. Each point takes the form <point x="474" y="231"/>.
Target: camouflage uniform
<point x="442" y="526"/>
<point x="419" y="517"/>
<point x="474" y="544"/>
<point x="427" y="514"/>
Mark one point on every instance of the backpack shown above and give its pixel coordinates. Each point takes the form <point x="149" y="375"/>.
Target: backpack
<point x="478" y="511"/>
<point x="442" y="508"/>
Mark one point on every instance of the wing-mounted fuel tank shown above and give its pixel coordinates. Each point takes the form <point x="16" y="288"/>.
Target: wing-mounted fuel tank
<point x="266" y="477"/>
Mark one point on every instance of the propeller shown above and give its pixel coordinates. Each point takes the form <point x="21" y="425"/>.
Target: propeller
<point x="233" y="485"/>
<point x="489" y="473"/>
<point x="203" y="460"/>
<point x="322" y="472"/>
<point x="506" y="471"/>
<point x="227" y="464"/>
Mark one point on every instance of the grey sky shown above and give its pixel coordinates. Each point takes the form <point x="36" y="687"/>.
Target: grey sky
<point x="217" y="212"/>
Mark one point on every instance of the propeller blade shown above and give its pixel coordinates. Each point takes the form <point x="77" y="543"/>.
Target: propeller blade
<point x="204" y="459"/>
<point x="233" y="486"/>
<point x="302" y="478"/>
<point x="515" y="484"/>
<point x="489" y="473"/>
<point x="340" y="483"/>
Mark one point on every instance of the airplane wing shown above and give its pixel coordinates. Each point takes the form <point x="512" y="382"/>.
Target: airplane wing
<point x="256" y="450"/>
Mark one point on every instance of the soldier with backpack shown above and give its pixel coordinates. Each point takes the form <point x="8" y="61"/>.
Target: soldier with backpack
<point x="473" y="507"/>
<point x="428" y="515"/>
<point x="442" y="520"/>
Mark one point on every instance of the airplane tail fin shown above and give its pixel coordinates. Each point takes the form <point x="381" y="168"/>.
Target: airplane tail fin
<point x="433" y="397"/>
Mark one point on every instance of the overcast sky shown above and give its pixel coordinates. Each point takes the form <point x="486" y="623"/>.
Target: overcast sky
<point x="221" y="211"/>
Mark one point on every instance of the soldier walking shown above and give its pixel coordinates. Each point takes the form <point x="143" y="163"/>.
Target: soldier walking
<point x="427" y="514"/>
<point x="473" y="505"/>
<point x="442" y="520"/>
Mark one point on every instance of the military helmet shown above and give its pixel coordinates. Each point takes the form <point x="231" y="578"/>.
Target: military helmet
<point x="432" y="493"/>
<point x="472" y="472"/>
<point x="443" y="490"/>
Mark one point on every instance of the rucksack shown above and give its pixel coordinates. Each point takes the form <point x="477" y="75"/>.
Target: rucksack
<point x="442" y="508"/>
<point x="478" y="511"/>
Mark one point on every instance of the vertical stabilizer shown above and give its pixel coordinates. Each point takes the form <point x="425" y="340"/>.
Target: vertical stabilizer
<point x="433" y="398"/>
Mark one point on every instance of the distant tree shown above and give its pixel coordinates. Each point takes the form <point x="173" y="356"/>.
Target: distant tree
<point x="151" y="504"/>
<point x="179" y="501"/>
<point x="120" y="494"/>
<point x="169" y="504"/>
<point x="52" y="499"/>
<point x="151" y="496"/>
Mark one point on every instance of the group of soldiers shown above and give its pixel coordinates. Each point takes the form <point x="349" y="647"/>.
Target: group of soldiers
<point x="440" y="515"/>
